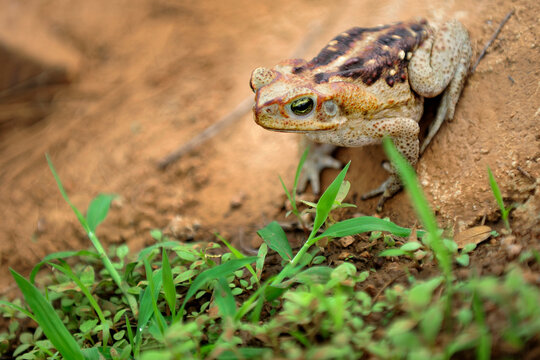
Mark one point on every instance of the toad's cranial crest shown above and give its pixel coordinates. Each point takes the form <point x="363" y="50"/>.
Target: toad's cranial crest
<point x="367" y="83"/>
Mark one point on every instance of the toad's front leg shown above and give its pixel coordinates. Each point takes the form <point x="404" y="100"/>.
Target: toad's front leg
<point x="318" y="159"/>
<point x="404" y="134"/>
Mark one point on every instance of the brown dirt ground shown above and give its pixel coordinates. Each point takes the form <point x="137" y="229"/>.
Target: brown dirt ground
<point x="154" y="74"/>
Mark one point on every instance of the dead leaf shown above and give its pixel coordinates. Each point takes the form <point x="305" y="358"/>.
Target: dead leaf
<point x="346" y="241"/>
<point x="474" y="235"/>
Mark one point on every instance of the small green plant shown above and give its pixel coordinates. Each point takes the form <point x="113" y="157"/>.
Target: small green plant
<point x="277" y="240"/>
<point x="505" y="211"/>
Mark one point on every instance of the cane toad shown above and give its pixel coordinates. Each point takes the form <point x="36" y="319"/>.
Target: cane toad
<point x="365" y="84"/>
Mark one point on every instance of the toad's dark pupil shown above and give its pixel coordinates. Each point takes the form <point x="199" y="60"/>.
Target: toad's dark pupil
<point x="302" y="106"/>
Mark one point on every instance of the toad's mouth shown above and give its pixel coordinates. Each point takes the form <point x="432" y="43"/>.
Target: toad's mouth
<point x="287" y="127"/>
<point x="299" y="131"/>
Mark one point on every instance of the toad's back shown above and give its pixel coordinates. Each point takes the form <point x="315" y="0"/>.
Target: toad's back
<point x="367" y="54"/>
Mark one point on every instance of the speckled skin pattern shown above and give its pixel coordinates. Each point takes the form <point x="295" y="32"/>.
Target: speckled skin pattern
<point x="367" y="83"/>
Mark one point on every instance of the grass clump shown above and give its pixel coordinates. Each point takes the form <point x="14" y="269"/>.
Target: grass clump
<point x="175" y="300"/>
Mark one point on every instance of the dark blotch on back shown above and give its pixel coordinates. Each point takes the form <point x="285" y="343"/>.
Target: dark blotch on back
<point x="377" y="58"/>
<point x="342" y="44"/>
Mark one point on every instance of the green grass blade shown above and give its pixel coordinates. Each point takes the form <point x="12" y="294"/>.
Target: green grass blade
<point x="58" y="256"/>
<point x="98" y="209"/>
<point x="297" y="174"/>
<point x="483" y="347"/>
<point x="130" y="337"/>
<point x="212" y="274"/>
<point x="496" y="190"/>
<point x="247" y="305"/>
<point x="292" y="200"/>
<point x="146" y="308"/>
<point x="292" y="195"/>
<point x="18" y="308"/>
<point x="421" y="206"/>
<point x="237" y="254"/>
<point x="498" y="197"/>
<point x="80" y="216"/>
<point x="155" y="288"/>
<point x="147" y="250"/>
<point x="49" y="321"/>
<point x="276" y="239"/>
<point x="169" y="289"/>
<point x="365" y="224"/>
<point x="224" y="298"/>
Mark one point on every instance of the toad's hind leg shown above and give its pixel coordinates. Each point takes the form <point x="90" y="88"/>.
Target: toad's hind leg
<point x="440" y="64"/>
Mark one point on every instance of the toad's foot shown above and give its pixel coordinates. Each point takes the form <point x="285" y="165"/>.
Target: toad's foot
<point x="388" y="188"/>
<point x="318" y="159"/>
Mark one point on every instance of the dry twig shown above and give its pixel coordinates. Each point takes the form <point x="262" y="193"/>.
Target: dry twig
<point x="493" y="37"/>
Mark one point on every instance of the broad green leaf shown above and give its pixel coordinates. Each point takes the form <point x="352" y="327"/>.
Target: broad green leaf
<point x="393" y="252"/>
<point x="92" y="354"/>
<point x="468" y="248"/>
<point x="49" y="321"/>
<point x="343" y="191"/>
<point x="431" y="322"/>
<point x="463" y="260"/>
<point x="98" y="210"/>
<point x="420" y="295"/>
<point x="276" y="239"/>
<point x="224" y="298"/>
<point x="245" y="353"/>
<point x="314" y="275"/>
<point x="411" y="246"/>
<point x="365" y="224"/>
<point x="259" y="265"/>
<point x="156" y="234"/>
<point x="271" y="292"/>
<point x="325" y="203"/>
<point x="222" y="270"/>
<point x="169" y="289"/>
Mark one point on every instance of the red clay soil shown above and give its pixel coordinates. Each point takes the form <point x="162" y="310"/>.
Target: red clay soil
<point x="148" y="76"/>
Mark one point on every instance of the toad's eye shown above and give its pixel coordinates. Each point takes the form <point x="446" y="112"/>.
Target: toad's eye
<point x="302" y="106"/>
